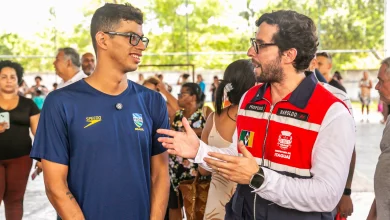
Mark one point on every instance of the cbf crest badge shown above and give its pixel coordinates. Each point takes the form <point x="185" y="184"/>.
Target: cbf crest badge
<point x="138" y="121"/>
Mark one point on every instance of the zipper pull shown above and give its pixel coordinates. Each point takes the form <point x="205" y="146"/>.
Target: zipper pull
<point x="272" y="108"/>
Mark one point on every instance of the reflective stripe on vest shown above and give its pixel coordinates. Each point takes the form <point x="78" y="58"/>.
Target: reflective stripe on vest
<point x="282" y="136"/>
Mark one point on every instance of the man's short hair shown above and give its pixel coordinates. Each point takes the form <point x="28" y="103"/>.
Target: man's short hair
<point x="87" y="53"/>
<point x="294" y="31"/>
<point x="337" y="74"/>
<point x="108" y="17"/>
<point x="72" y="55"/>
<point x="186" y="76"/>
<point x="325" y="54"/>
<point x="153" y="80"/>
<point x="387" y="62"/>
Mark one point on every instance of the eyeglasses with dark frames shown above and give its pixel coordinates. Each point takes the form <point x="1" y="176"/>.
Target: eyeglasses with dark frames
<point x="134" y="38"/>
<point x="257" y="46"/>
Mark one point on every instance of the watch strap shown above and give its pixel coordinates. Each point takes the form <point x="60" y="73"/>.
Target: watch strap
<point x="257" y="179"/>
<point x="347" y="192"/>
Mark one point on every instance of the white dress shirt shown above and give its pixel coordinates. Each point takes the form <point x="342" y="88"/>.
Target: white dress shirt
<point x="75" y="78"/>
<point x="331" y="157"/>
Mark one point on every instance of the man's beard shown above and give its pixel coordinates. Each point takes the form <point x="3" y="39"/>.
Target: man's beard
<point x="271" y="72"/>
<point x="88" y="69"/>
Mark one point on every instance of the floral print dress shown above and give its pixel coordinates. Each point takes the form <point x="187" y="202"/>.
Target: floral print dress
<point x="180" y="168"/>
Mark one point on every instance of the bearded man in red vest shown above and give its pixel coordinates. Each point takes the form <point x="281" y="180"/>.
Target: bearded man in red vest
<point x="301" y="136"/>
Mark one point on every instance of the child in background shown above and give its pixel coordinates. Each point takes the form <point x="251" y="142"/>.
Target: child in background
<point x="39" y="99"/>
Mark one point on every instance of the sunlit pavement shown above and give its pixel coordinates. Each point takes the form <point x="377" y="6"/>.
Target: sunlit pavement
<point x="37" y="206"/>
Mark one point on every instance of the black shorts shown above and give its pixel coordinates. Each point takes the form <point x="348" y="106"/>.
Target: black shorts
<point x="173" y="199"/>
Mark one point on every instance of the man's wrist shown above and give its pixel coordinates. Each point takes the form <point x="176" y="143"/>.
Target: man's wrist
<point x="196" y="159"/>
<point x="199" y="143"/>
<point x="347" y="192"/>
<point x="257" y="179"/>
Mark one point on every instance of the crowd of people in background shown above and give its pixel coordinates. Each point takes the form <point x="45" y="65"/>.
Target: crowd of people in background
<point x="190" y="103"/>
<point x="26" y="102"/>
<point x="86" y="65"/>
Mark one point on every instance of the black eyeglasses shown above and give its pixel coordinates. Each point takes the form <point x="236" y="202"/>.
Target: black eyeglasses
<point x="258" y="46"/>
<point x="134" y="38"/>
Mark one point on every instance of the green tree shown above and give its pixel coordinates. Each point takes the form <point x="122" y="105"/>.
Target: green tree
<point x="202" y="35"/>
<point x="350" y="24"/>
<point x="12" y="44"/>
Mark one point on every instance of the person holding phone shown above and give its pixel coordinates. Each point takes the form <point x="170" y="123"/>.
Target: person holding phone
<point x="4" y="121"/>
<point x="18" y="116"/>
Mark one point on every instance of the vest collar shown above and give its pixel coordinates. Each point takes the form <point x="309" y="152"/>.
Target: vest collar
<point x="299" y="97"/>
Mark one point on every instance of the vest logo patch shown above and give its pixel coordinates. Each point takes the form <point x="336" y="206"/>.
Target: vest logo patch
<point x="293" y="114"/>
<point x="284" y="142"/>
<point x="138" y="121"/>
<point x="247" y="138"/>
<point x="255" y="107"/>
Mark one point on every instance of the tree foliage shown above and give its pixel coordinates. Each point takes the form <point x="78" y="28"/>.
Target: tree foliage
<point x="205" y="33"/>
<point x="343" y="25"/>
<point x="349" y="24"/>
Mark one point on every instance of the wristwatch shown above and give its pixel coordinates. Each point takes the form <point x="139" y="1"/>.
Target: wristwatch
<point x="257" y="179"/>
<point x="347" y="192"/>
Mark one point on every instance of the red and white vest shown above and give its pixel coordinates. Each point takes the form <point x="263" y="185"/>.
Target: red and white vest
<point x="284" y="134"/>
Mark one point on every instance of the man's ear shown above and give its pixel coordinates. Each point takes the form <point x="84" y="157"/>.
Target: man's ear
<point x="193" y="98"/>
<point x="289" y="55"/>
<point x="101" y="40"/>
<point x="69" y="63"/>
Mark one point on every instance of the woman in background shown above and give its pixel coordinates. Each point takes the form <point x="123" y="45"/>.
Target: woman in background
<point x="190" y="100"/>
<point x="15" y="141"/>
<point x="220" y="126"/>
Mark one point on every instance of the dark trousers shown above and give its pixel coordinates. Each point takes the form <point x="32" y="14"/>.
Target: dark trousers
<point x="241" y="207"/>
<point x="13" y="181"/>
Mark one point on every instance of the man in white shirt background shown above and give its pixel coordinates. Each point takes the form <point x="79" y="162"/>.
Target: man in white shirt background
<point x="380" y="208"/>
<point x="88" y="63"/>
<point x="67" y="66"/>
<point x="345" y="205"/>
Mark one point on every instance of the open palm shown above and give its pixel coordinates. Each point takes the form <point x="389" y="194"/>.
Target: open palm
<point x="183" y="144"/>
